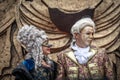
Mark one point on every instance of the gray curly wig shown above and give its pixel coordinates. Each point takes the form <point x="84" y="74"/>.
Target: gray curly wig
<point x="32" y="38"/>
<point x="80" y="24"/>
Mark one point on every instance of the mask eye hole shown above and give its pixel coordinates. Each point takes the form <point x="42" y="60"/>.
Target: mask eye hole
<point x="46" y="43"/>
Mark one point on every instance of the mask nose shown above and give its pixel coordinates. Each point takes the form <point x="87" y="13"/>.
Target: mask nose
<point x="91" y="36"/>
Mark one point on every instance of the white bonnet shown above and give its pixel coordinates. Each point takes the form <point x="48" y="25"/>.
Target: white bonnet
<point x="77" y="27"/>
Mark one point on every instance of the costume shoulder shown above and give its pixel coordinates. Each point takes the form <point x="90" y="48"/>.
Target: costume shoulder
<point x="65" y="52"/>
<point x="21" y="72"/>
<point x="29" y="64"/>
<point x="99" y="51"/>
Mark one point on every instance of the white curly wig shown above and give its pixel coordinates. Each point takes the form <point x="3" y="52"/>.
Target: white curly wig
<point x="80" y="24"/>
<point x="32" y="38"/>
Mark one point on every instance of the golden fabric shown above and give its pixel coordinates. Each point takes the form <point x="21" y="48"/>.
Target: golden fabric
<point x="97" y="68"/>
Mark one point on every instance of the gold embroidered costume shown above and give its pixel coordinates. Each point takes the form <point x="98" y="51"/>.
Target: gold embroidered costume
<point x="97" y="68"/>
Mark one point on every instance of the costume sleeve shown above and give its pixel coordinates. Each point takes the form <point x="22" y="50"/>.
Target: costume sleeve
<point x="21" y="73"/>
<point x="29" y="64"/>
<point x="61" y="67"/>
<point x="108" y="68"/>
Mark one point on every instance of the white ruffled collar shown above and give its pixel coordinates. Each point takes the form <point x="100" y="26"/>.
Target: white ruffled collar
<point x="82" y="54"/>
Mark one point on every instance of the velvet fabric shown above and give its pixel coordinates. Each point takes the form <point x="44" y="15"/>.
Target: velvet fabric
<point x="26" y="71"/>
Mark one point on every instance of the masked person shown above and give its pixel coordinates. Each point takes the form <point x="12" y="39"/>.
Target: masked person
<point x="37" y="65"/>
<point x="82" y="61"/>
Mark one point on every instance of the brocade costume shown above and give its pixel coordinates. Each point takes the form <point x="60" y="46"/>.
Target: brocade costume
<point x="98" y="66"/>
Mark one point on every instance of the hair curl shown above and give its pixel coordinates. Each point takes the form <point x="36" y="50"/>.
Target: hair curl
<point x="32" y="38"/>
